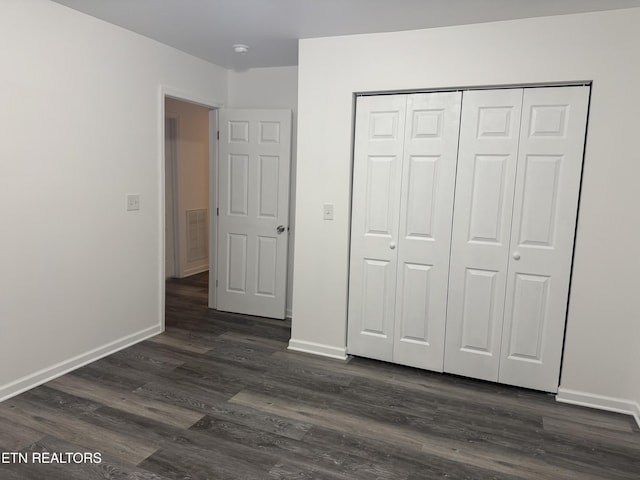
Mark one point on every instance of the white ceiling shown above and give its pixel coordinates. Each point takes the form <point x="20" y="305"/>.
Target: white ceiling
<point x="209" y="28"/>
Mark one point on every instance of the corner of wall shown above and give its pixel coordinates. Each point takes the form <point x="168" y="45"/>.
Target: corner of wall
<point x="317" y="349"/>
<point x="49" y="373"/>
<point x="600" y="402"/>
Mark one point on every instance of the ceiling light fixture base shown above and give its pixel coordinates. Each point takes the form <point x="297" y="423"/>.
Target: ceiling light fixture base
<point x="241" y="49"/>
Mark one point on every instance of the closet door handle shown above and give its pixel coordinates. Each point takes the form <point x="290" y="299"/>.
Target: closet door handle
<point x="516" y="255"/>
<point x="392" y="245"/>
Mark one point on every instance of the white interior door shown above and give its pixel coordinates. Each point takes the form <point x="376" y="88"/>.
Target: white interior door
<point x="424" y="238"/>
<point x="544" y="218"/>
<point x="377" y="173"/>
<point x="253" y="199"/>
<point x="487" y="161"/>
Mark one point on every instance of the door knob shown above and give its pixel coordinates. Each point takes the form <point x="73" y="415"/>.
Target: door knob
<point x="516" y="255"/>
<point x="392" y="245"/>
<point x="280" y="229"/>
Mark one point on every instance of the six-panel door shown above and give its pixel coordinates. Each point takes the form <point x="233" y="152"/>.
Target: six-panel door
<point x="487" y="160"/>
<point x="253" y="201"/>
<point x="424" y="235"/>
<point x="377" y="173"/>
<point x="542" y="235"/>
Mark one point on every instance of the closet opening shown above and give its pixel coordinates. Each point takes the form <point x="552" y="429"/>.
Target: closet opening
<point x="464" y="207"/>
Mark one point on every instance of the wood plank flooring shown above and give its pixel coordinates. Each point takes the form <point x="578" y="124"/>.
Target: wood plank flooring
<point x="218" y="396"/>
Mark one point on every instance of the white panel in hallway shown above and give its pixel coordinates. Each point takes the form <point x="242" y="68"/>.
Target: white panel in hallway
<point x="197" y="230"/>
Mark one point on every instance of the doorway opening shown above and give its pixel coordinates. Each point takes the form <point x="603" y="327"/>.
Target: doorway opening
<point x="228" y="217"/>
<point x="190" y="145"/>
<point x="187" y="190"/>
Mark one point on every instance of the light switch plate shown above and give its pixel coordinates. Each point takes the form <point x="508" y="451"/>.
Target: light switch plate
<point x="133" y="202"/>
<point x="327" y="210"/>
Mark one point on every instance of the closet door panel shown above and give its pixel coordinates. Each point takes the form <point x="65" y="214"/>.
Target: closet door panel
<point x="545" y="208"/>
<point x="426" y="209"/>
<point x="378" y="155"/>
<point x="487" y="161"/>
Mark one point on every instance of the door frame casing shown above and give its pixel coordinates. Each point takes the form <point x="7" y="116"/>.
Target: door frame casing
<point x="175" y="203"/>
<point x="212" y="297"/>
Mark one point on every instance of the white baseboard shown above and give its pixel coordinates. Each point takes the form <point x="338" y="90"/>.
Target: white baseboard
<point x="318" y="349"/>
<point x="194" y="270"/>
<point x="601" y="402"/>
<point x="30" y="381"/>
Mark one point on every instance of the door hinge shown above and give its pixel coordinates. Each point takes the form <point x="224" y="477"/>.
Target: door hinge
<point x="218" y="212"/>
<point x="216" y="283"/>
<point x="218" y="135"/>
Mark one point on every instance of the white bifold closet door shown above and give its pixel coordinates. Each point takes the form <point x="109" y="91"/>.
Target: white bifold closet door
<point x="519" y="166"/>
<point x="543" y="229"/>
<point x="487" y="160"/>
<point x="404" y="181"/>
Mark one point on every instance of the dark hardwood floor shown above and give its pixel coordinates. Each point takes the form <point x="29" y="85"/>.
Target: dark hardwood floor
<point x="218" y="396"/>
